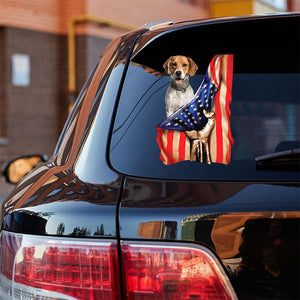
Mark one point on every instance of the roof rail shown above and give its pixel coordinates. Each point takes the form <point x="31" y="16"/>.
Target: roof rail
<point x="157" y="24"/>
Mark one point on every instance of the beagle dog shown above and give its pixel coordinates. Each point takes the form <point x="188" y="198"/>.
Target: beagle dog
<point x="179" y="91"/>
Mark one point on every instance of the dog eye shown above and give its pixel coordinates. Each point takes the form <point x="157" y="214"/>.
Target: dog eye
<point x="174" y="64"/>
<point x="184" y="65"/>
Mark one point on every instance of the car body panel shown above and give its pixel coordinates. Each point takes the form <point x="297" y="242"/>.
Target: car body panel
<point x="251" y="227"/>
<point x="67" y="206"/>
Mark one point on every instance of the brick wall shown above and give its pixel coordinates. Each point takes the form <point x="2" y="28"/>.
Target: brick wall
<point x="32" y="112"/>
<point x="32" y="116"/>
<point x="294" y="5"/>
<point x="52" y="16"/>
<point x="34" y="14"/>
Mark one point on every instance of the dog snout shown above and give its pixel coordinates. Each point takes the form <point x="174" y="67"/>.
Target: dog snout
<point x="178" y="73"/>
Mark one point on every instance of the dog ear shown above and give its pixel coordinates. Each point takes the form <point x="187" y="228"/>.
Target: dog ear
<point x="166" y="65"/>
<point x="193" y="67"/>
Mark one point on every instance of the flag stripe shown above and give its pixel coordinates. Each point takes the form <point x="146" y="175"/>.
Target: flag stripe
<point x="159" y="139"/>
<point x="170" y="136"/>
<point x="224" y="141"/>
<point x="214" y="70"/>
<point x="224" y="120"/>
<point x="174" y="146"/>
<point x="212" y="66"/>
<point x="221" y="138"/>
<point x="182" y="142"/>
<point x="187" y="148"/>
<point x="229" y="77"/>
<point x="218" y="126"/>
<point x="219" y="135"/>
<point x="225" y="116"/>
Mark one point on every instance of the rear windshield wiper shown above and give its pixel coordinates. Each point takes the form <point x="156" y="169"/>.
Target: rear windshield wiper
<point x="287" y="160"/>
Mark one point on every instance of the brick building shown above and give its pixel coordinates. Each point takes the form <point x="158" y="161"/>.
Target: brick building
<point x="221" y="8"/>
<point x="34" y="93"/>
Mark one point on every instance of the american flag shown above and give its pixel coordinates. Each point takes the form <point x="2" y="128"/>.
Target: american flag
<point x="214" y="94"/>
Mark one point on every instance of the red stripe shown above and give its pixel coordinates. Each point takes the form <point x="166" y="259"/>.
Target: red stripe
<point x="219" y="131"/>
<point x="229" y="76"/>
<point x="182" y="140"/>
<point x="159" y="136"/>
<point x="213" y="69"/>
<point x="169" y="149"/>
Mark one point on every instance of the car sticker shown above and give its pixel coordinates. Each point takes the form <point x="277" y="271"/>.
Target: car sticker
<point x="200" y="129"/>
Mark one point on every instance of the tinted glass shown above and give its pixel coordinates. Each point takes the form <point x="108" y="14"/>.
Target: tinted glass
<point x="263" y="112"/>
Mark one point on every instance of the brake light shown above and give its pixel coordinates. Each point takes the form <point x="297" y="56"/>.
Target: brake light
<point x="57" y="268"/>
<point x="173" y="271"/>
<point x="35" y="267"/>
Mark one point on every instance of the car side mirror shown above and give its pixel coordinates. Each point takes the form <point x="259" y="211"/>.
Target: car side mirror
<point x="15" y="169"/>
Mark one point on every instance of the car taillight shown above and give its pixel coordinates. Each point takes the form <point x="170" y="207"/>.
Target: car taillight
<point x="57" y="268"/>
<point x="173" y="271"/>
<point x="35" y="267"/>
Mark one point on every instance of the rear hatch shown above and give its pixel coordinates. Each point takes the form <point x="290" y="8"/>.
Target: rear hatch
<point x="244" y="205"/>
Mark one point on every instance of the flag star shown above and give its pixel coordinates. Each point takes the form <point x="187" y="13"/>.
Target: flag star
<point x="169" y="124"/>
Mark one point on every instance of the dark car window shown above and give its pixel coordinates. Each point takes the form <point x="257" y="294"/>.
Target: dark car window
<point x="63" y="147"/>
<point x="262" y="113"/>
<point x="74" y="113"/>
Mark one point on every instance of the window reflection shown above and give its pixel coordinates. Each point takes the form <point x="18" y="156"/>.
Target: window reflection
<point x="158" y="230"/>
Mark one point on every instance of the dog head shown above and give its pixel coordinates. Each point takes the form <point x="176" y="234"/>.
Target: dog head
<point x="180" y="67"/>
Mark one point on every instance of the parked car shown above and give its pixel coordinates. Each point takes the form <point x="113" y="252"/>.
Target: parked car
<point x="148" y="198"/>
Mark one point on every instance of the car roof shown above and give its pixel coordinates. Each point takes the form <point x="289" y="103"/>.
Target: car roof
<point x="154" y="29"/>
<point x="155" y="45"/>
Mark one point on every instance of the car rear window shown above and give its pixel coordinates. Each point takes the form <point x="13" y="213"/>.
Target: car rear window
<point x="246" y="103"/>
